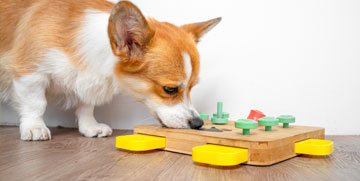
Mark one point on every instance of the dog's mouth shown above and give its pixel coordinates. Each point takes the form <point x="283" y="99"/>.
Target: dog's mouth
<point x="195" y="123"/>
<point x="156" y="116"/>
<point x="164" y="125"/>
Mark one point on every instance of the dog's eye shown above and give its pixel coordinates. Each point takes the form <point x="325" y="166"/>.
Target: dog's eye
<point x="171" y="90"/>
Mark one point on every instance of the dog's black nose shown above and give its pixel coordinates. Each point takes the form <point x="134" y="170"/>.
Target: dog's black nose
<point x="196" y="123"/>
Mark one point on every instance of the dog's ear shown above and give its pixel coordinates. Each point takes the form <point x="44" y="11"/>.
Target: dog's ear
<point x="129" y="32"/>
<point x="197" y="30"/>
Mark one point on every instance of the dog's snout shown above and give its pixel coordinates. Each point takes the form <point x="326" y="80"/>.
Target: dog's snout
<point x="196" y="123"/>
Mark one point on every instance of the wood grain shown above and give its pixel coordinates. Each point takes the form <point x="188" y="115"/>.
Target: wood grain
<point x="265" y="148"/>
<point x="69" y="156"/>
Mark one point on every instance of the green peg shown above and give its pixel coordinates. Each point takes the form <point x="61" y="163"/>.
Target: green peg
<point x="268" y="122"/>
<point x="220" y="117"/>
<point x="246" y="125"/>
<point x="204" y="116"/>
<point x="286" y="119"/>
<point x="225" y="115"/>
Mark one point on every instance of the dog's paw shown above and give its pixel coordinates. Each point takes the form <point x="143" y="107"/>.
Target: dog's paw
<point x="34" y="131"/>
<point x="95" y="130"/>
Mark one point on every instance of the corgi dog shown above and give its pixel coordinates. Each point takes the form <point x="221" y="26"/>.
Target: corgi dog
<point x="80" y="53"/>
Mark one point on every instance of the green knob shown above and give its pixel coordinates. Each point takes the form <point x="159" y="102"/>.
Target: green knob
<point x="219" y="118"/>
<point x="225" y="115"/>
<point x="268" y="122"/>
<point x="204" y="116"/>
<point x="286" y="119"/>
<point x="246" y="125"/>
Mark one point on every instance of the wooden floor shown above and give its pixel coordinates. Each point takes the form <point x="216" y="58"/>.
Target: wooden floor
<point x="69" y="156"/>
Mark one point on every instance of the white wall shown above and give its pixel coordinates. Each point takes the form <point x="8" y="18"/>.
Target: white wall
<point x="281" y="57"/>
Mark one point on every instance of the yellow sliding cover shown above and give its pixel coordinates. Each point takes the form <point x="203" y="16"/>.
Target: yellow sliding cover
<point x="219" y="155"/>
<point x="314" y="147"/>
<point x="139" y="142"/>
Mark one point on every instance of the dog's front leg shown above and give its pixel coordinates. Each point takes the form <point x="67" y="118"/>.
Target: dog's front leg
<point x="88" y="126"/>
<point x="29" y="93"/>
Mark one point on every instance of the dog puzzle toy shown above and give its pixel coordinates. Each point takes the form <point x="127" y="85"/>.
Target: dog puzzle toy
<point x="217" y="143"/>
<point x="220" y="117"/>
<point x="262" y="149"/>
<point x="246" y="125"/>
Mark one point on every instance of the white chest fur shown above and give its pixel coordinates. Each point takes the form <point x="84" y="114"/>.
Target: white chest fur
<point x="96" y="84"/>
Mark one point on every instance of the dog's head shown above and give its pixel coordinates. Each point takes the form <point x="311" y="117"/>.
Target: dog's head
<point x="159" y="63"/>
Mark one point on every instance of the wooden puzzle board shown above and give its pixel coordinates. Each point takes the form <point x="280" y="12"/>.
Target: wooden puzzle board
<point x="265" y="148"/>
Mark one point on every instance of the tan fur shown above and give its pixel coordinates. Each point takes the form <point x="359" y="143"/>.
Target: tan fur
<point x="29" y="27"/>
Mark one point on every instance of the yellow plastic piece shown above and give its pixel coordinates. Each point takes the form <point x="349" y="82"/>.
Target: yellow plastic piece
<point x="314" y="147"/>
<point x="140" y="142"/>
<point x="219" y="155"/>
